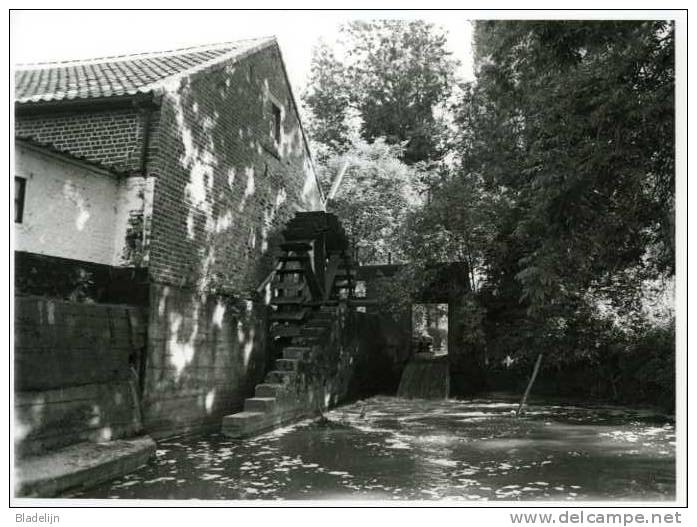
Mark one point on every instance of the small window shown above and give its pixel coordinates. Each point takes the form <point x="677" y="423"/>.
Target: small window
<point x="276" y="113"/>
<point x="20" y="187"/>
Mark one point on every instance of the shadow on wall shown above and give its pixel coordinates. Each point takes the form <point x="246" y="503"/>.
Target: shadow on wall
<point x="230" y="186"/>
<point x="73" y="372"/>
<point x="227" y="189"/>
<point x="205" y="355"/>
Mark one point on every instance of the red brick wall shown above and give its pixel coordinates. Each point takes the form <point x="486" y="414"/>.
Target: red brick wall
<point x="109" y="137"/>
<point x="223" y="193"/>
<point x="223" y="190"/>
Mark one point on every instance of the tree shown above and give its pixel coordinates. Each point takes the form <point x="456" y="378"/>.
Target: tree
<point x="574" y="120"/>
<point x="393" y="77"/>
<point x="327" y="98"/>
<point x="457" y="224"/>
<point x="376" y="192"/>
<point x="571" y="123"/>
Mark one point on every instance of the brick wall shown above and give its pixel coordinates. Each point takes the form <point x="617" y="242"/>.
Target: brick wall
<point x="205" y="355"/>
<point x="73" y="377"/>
<point x="224" y="190"/>
<point x="109" y="137"/>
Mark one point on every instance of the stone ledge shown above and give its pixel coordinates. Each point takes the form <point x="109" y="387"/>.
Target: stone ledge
<point x="80" y="466"/>
<point x="243" y="425"/>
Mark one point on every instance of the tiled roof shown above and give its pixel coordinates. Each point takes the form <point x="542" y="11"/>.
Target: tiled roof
<point x="123" y="75"/>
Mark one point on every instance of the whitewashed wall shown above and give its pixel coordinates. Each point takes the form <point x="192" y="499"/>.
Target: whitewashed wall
<point x="72" y="210"/>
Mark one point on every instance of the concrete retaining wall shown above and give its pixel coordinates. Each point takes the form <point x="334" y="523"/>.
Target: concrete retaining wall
<point x="75" y="374"/>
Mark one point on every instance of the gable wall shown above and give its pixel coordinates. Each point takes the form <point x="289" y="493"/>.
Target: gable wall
<point x="110" y="137"/>
<point x="223" y="190"/>
<point x="223" y="193"/>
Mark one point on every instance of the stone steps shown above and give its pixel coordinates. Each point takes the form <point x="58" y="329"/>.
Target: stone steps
<point x="280" y="377"/>
<point x="280" y="398"/>
<point x="243" y="424"/>
<point x="246" y="424"/>
<point x="260" y="404"/>
<point x="269" y="389"/>
<point x="287" y="364"/>
<point x="297" y="352"/>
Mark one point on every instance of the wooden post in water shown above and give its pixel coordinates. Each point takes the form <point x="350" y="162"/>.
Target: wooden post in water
<point x="532" y="380"/>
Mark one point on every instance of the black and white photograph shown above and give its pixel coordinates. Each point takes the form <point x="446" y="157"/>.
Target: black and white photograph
<point x="348" y="258"/>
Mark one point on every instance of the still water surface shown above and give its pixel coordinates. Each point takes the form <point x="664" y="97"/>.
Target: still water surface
<point x="395" y="449"/>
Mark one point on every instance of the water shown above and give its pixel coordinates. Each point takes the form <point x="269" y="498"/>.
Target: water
<point x="393" y="449"/>
<point x="427" y="378"/>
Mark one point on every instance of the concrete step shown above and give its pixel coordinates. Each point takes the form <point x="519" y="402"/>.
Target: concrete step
<point x="259" y="404"/>
<point x="280" y="377"/>
<point x="80" y="466"/>
<point x="287" y="364"/>
<point x="246" y="424"/>
<point x="242" y="423"/>
<point x="297" y="352"/>
<point x="269" y="389"/>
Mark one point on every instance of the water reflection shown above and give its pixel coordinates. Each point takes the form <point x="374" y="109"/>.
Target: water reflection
<point x="389" y="448"/>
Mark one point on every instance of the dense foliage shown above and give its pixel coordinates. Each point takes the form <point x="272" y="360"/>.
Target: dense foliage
<point x="573" y="122"/>
<point x="376" y="191"/>
<point x="392" y="78"/>
<point x="555" y="184"/>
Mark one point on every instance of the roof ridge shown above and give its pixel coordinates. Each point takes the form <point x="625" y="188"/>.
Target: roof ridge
<point x="135" y="56"/>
